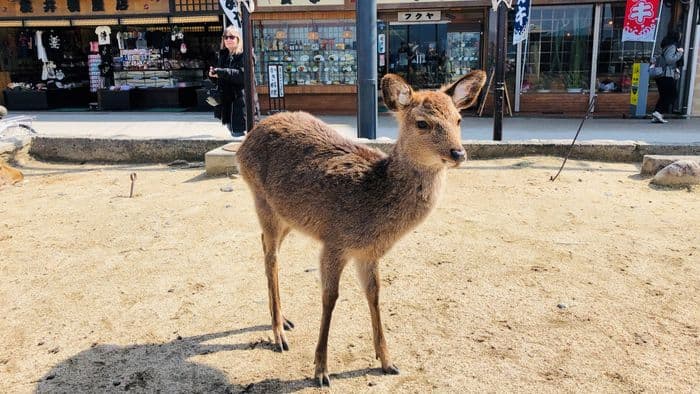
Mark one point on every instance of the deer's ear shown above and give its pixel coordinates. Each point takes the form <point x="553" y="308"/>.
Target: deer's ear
<point x="466" y="90"/>
<point x="396" y="92"/>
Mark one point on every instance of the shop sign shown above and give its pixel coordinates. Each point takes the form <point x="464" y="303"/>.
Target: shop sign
<point x="28" y="9"/>
<point x="419" y="16"/>
<point x="634" y="91"/>
<point x="275" y="80"/>
<point x="520" y="21"/>
<point x="641" y="20"/>
<point x="381" y="43"/>
<point x="297" y="3"/>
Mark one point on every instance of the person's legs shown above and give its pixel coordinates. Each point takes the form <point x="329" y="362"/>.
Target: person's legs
<point x="666" y="87"/>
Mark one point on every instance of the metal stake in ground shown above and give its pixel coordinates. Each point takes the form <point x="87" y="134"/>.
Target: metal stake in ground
<point x="591" y="105"/>
<point x="133" y="180"/>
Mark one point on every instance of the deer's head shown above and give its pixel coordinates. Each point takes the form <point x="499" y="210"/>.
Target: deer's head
<point x="429" y="120"/>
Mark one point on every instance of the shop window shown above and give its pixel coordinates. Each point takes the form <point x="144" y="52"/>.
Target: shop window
<point x="615" y="57"/>
<point x="311" y="52"/>
<point x="559" y="49"/>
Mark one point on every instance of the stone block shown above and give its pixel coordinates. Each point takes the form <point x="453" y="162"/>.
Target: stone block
<point x="222" y="160"/>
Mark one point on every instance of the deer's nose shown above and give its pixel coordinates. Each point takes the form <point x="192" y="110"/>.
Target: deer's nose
<point x="459" y="155"/>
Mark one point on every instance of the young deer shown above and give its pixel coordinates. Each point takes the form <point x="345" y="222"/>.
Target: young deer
<point x="357" y="201"/>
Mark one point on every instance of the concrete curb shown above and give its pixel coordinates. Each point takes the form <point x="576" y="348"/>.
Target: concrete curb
<point x="167" y="150"/>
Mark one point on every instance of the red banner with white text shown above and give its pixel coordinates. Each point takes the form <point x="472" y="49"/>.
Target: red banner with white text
<point x="641" y="20"/>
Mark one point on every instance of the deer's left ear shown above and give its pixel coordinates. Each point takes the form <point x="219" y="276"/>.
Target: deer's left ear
<point x="466" y="90"/>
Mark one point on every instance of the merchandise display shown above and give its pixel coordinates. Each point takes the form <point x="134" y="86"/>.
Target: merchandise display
<point x="311" y="54"/>
<point x="106" y="58"/>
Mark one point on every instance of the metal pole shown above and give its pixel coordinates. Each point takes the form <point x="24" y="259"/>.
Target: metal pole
<point x="518" y="74"/>
<point x="499" y="78"/>
<point x="597" y="21"/>
<point x="248" y="68"/>
<point x="366" y="31"/>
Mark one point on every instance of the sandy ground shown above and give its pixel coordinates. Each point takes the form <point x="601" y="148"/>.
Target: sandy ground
<point x="514" y="283"/>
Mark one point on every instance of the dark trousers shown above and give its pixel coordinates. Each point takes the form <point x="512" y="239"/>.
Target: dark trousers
<point x="667" y="94"/>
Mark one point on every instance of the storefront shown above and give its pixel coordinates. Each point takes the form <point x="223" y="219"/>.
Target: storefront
<point x="105" y="54"/>
<point x="573" y="51"/>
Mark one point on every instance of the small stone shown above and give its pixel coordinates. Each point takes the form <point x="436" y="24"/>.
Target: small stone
<point x="49" y="377"/>
<point x="311" y="269"/>
<point x="40" y="343"/>
<point x="561" y="306"/>
<point x="226" y="189"/>
<point x="116" y="383"/>
<point x="54" y="350"/>
<point x="370" y="384"/>
<point x="678" y="173"/>
<point x="179" y="338"/>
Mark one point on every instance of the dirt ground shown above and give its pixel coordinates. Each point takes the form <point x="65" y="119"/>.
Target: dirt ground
<point x="514" y="283"/>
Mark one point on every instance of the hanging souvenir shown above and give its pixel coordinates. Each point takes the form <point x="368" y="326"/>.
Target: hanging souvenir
<point x="183" y="48"/>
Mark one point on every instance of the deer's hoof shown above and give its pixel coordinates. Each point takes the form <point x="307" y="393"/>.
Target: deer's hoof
<point x="390" y="369"/>
<point x="281" y="344"/>
<point x="323" y="379"/>
<point x="288" y="325"/>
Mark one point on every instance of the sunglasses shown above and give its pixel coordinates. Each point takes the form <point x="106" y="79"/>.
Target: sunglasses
<point x="230" y="37"/>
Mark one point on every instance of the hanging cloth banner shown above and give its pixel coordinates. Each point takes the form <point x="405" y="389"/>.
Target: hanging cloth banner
<point x="641" y="20"/>
<point x="230" y="8"/>
<point x="522" y="18"/>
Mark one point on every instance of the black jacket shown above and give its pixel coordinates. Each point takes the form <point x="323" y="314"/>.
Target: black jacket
<point x="230" y="81"/>
<point x="229" y="71"/>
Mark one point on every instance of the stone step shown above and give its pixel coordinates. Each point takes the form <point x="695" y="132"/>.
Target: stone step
<point x="222" y="160"/>
<point x="651" y="164"/>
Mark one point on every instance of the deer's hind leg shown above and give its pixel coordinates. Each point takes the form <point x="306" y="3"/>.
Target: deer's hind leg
<point x="273" y="232"/>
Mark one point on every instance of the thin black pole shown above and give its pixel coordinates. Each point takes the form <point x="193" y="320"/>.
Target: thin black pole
<point x="248" y="68"/>
<point x="499" y="78"/>
<point x="366" y="28"/>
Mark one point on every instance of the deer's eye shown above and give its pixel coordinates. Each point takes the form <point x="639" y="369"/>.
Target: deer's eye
<point x="423" y="125"/>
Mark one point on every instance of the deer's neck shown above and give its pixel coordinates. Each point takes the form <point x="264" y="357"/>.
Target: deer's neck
<point x="414" y="189"/>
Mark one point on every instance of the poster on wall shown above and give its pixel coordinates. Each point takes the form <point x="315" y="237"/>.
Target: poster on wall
<point x="641" y="20"/>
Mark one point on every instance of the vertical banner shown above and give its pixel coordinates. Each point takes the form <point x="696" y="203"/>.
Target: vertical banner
<point x="641" y="20"/>
<point x="522" y="18"/>
<point x="230" y="8"/>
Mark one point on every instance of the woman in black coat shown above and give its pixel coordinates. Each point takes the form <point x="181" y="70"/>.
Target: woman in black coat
<point x="229" y="78"/>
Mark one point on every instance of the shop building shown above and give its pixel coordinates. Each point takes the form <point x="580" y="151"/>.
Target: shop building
<point x="574" y="50"/>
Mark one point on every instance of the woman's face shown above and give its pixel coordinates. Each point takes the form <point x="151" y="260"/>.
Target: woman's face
<point x="231" y="41"/>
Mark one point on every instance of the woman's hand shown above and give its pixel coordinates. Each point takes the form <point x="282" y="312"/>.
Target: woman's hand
<point x="680" y="50"/>
<point x="212" y="74"/>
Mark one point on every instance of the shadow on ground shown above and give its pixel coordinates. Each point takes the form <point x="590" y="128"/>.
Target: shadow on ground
<point x="164" y="367"/>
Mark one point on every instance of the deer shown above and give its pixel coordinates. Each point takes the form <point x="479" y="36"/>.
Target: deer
<point x="357" y="201"/>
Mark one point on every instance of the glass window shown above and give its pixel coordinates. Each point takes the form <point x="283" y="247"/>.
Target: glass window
<point x="558" y="49"/>
<point x="615" y="57"/>
<point x="321" y="52"/>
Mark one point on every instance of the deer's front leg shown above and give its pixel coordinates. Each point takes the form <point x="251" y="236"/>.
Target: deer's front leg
<point x="332" y="264"/>
<point x="369" y="276"/>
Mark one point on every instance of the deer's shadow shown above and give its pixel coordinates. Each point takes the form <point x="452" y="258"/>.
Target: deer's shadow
<point x="164" y="367"/>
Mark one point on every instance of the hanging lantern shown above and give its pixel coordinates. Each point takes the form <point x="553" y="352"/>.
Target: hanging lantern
<point x="347" y="33"/>
<point x="280" y="34"/>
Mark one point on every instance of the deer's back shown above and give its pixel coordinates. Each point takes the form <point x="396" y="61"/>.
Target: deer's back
<point x="310" y="174"/>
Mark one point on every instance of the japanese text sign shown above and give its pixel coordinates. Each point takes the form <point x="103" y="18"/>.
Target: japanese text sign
<point x="522" y="17"/>
<point x="641" y="20"/>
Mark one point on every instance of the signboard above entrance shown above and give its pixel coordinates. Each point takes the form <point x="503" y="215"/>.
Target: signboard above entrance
<point x="261" y="4"/>
<point x="419" y="16"/>
<point x="29" y="9"/>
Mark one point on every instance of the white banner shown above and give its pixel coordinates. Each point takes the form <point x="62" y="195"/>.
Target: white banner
<point x="230" y="8"/>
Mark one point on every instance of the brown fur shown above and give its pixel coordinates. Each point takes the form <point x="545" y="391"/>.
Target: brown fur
<point x="9" y="175"/>
<point x="357" y="201"/>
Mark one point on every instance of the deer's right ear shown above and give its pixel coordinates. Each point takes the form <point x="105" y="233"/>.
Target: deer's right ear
<point x="396" y="92"/>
